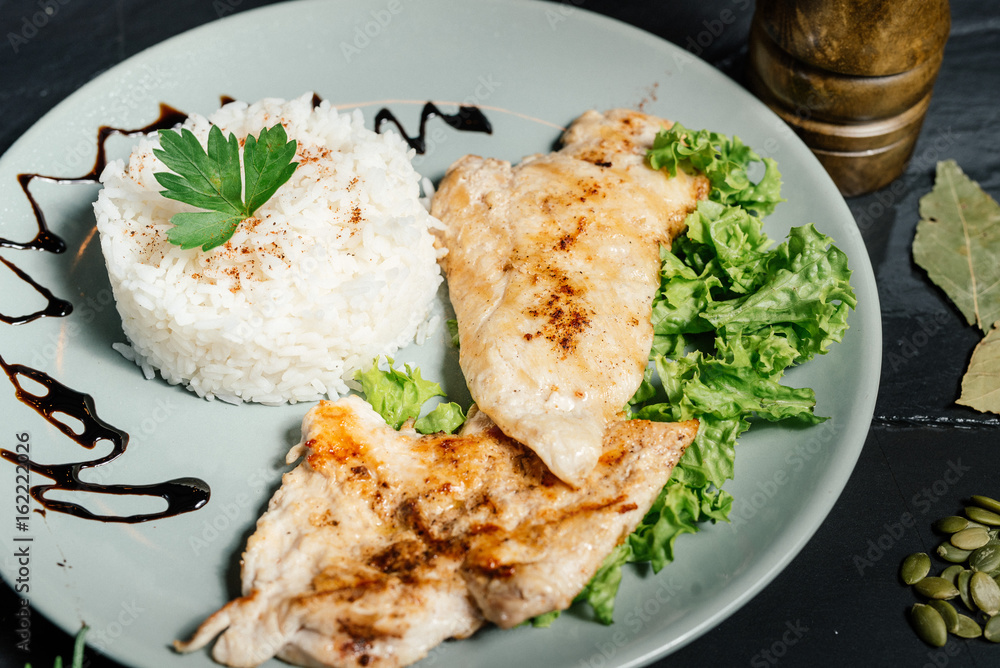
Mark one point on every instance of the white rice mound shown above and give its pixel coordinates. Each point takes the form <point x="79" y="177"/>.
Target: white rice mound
<point x="338" y="267"/>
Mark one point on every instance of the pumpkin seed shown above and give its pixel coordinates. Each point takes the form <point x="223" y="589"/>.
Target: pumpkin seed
<point x="977" y="514"/>
<point x="955" y="555"/>
<point x="992" y="629"/>
<point x="985" y="593"/>
<point x="915" y="568"/>
<point x="951" y="524"/>
<point x="986" y="502"/>
<point x="936" y="588"/>
<point x="951" y="573"/>
<point x="970" y="539"/>
<point x="986" y="558"/>
<point x="947" y="612"/>
<point x="962" y="583"/>
<point x="929" y="625"/>
<point x="967" y="628"/>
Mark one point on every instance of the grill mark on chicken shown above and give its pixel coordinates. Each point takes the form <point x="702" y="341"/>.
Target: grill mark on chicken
<point x="567" y="240"/>
<point x="445" y="533"/>
<point x="552" y="266"/>
<point x="401" y="558"/>
<point x="565" y="320"/>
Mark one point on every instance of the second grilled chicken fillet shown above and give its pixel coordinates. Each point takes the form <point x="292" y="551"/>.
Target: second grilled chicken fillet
<point x="552" y="266"/>
<point x="381" y="544"/>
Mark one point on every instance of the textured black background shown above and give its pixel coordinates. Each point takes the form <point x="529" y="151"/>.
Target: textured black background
<point x="843" y="617"/>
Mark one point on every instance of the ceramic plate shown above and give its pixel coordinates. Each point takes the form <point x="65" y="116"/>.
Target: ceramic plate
<point x="532" y="67"/>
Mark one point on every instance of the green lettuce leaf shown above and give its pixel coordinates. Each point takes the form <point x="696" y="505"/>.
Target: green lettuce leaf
<point x="396" y="395"/>
<point x="452" y="324"/>
<point x="544" y="621"/>
<point x="684" y="295"/>
<point x="724" y="160"/>
<point x="446" y="417"/>
<point x="698" y="386"/>
<point x="807" y="288"/>
<point x="735" y="240"/>
<point x="712" y="454"/>
<point x="678" y="510"/>
<point x="600" y="592"/>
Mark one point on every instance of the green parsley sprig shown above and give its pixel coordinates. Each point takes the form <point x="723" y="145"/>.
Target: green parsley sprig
<point x="213" y="180"/>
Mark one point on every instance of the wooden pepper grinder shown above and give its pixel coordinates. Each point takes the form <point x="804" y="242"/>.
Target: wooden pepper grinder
<point x="852" y="77"/>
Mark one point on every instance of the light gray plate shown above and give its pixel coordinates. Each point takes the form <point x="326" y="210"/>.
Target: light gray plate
<point x="533" y="67"/>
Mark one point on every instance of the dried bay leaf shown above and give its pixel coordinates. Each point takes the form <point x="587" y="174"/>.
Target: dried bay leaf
<point x="958" y="244"/>
<point x="981" y="383"/>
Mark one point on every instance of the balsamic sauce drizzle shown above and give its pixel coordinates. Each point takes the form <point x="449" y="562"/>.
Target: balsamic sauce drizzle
<point x="56" y="307"/>
<point x="468" y="119"/>
<point x="181" y="494"/>
<point x="45" y="240"/>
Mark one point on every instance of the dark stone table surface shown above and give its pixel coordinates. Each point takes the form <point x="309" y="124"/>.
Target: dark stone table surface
<point x="839" y="603"/>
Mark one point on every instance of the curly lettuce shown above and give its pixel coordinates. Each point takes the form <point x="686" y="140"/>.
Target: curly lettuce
<point x="731" y="315"/>
<point x="399" y="396"/>
<point x="725" y="161"/>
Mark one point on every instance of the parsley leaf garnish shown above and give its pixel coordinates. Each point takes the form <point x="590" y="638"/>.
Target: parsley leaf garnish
<point x="212" y="180"/>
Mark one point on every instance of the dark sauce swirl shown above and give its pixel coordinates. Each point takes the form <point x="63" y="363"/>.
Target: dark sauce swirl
<point x="45" y="239"/>
<point x="468" y="119"/>
<point x="56" y="307"/>
<point x="181" y="494"/>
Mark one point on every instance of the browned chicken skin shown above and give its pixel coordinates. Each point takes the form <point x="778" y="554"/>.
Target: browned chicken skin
<point x="381" y="544"/>
<point x="552" y="266"/>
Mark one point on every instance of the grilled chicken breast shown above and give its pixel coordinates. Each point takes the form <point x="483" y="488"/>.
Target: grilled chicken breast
<point x="381" y="544"/>
<point x="552" y="266"/>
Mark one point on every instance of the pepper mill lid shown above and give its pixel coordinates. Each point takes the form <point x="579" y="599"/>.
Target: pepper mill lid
<point x="852" y="77"/>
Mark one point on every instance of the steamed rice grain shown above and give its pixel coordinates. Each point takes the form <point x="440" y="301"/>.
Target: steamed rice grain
<point x="337" y="267"/>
